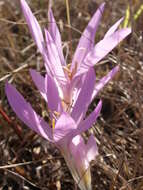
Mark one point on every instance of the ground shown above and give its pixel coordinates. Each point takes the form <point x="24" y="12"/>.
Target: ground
<point x="27" y="161"/>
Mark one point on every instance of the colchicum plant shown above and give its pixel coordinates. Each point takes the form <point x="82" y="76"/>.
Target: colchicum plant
<point x="68" y="91"/>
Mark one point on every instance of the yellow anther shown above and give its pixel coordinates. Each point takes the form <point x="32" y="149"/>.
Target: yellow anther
<point x="53" y="123"/>
<point x="68" y="66"/>
<point x="67" y="70"/>
<point x="57" y="114"/>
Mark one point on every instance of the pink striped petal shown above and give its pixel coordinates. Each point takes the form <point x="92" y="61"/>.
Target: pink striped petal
<point x="55" y="34"/>
<point x="73" y="129"/>
<point x="79" y="164"/>
<point x="84" y="97"/>
<point x="91" y="148"/>
<point x="76" y="85"/>
<point x="33" y="25"/>
<point x="102" y="48"/>
<point x="78" y="148"/>
<point x="86" y="42"/>
<point x="39" y="81"/>
<point x="64" y="127"/>
<point x="54" y="59"/>
<point x="83" y="153"/>
<point x="54" y="102"/>
<point x="26" y="113"/>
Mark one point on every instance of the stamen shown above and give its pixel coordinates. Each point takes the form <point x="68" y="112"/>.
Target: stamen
<point x="57" y="114"/>
<point x="53" y="123"/>
<point x="74" y="70"/>
<point x="68" y="66"/>
<point x="67" y="70"/>
<point x="54" y="115"/>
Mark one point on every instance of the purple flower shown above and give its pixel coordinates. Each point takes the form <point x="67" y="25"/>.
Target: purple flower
<point x="68" y="92"/>
<point x="65" y="133"/>
<point x="87" y="54"/>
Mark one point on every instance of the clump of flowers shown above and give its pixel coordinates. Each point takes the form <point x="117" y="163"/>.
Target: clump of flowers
<point x="68" y="91"/>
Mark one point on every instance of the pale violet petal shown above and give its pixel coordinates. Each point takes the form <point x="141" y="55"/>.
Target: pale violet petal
<point x="64" y="127"/>
<point x="91" y="148"/>
<point x="54" y="59"/>
<point x="26" y="113"/>
<point x="33" y="25"/>
<point x="84" y="97"/>
<point x="54" y="102"/>
<point x="39" y="81"/>
<point x="86" y="42"/>
<point x="102" y="48"/>
<point x="55" y="34"/>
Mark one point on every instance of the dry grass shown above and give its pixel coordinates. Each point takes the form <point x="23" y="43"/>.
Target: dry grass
<point x="119" y="130"/>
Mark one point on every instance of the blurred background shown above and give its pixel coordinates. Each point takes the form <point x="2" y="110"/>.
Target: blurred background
<point x="119" y="130"/>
